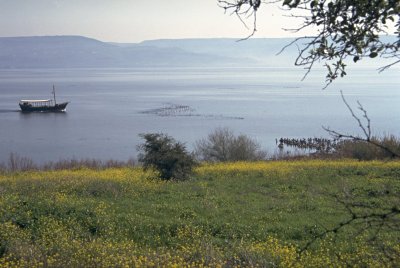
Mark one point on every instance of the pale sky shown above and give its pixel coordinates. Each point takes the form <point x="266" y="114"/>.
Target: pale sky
<point x="133" y="20"/>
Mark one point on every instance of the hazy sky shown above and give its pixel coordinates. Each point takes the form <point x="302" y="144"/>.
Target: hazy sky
<point x="132" y="20"/>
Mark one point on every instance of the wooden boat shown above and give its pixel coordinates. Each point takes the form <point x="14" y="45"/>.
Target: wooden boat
<point x="50" y="105"/>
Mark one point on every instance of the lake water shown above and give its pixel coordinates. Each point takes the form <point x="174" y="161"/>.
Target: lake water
<point x="110" y="107"/>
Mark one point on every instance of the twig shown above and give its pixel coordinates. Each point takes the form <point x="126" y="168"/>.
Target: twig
<point x="366" y="129"/>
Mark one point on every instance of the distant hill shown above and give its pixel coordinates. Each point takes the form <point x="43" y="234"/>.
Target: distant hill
<point x="264" y="51"/>
<point x="83" y="52"/>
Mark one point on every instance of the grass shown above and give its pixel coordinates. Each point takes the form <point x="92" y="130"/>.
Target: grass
<point x="235" y="214"/>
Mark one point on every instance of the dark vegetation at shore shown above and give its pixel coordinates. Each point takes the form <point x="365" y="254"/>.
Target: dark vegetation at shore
<point x="345" y="148"/>
<point x="222" y="145"/>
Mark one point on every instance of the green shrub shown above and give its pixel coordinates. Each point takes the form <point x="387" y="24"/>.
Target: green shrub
<point x="169" y="157"/>
<point x="222" y="146"/>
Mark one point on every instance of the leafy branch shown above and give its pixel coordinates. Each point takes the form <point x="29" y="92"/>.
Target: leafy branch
<point x="344" y="29"/>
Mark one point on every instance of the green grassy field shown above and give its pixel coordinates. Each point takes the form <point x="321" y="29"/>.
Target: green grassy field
<point x="237" y="214"/>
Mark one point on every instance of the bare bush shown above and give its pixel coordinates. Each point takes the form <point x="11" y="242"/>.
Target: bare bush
<point x="3" y="167"/>
<point x="364" y="150"/>
<point x="20" y="163"/>
<point x="223" y="146"/>
<point x="87" y="163"/>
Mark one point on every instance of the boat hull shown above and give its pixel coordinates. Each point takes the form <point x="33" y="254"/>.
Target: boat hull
<point x="60" y="107"/>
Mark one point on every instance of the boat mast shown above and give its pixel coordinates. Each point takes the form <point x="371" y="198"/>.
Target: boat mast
<point x="54" y="94"/>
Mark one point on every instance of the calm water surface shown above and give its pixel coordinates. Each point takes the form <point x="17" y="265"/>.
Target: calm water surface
<point x="110" y="108"/>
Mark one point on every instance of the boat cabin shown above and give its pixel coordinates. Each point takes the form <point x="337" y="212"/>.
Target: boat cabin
<point x="37" y="103"/>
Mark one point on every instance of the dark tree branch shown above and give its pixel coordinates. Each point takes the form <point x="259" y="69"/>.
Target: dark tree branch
<point x="366" y="129"/>
<point x="374" y="219"/>
<point x="384" y="68"/>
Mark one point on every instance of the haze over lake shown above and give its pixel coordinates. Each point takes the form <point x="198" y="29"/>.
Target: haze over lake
<point x="110" y="107"/>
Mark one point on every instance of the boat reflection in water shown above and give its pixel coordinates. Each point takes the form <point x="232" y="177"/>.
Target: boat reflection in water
<point x="43" y="105"/>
